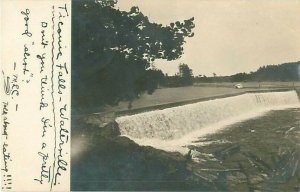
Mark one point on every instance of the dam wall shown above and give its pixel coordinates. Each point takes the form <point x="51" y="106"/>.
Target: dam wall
<point x="175" y="122"/>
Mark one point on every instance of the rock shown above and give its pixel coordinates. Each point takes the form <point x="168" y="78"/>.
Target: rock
<point x="109" y="130"/>
<point x="94" y="125"/>
<point x="100" y="119"/>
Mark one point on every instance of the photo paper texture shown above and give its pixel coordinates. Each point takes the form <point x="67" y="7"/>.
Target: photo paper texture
<point x="164" y="95"/>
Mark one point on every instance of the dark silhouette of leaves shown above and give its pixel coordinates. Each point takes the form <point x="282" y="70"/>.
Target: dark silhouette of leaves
<point x="112" y="51"/>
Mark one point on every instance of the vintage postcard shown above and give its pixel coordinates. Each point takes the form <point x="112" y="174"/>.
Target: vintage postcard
<point x="140" y="95"/>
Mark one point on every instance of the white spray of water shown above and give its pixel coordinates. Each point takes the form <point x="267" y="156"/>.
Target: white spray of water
<point x="174" y="128"/>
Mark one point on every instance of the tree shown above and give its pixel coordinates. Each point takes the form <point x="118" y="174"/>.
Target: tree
<point x="112" y="51"/>
<point x="186" y="74"/>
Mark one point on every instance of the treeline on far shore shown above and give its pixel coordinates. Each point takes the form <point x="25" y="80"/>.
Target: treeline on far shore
<point x="185" y="77"/>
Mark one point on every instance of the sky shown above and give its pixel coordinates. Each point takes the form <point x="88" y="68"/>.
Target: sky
<point x="231" y="36"/>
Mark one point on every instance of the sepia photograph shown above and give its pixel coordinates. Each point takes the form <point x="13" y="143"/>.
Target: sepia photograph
<point x="185" y="95"/>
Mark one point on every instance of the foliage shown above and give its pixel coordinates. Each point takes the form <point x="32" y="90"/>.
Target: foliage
<point x="281" y="72"/>
<point x="284" y="72"/>
<point x="183" y="78"/>
<point x="112" y="51"/>
<point x="186" y="74"/>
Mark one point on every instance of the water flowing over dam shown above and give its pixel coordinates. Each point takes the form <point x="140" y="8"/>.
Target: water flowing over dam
<point x="178" y="126"/>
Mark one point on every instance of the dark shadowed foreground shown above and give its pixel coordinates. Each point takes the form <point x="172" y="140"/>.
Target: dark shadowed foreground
<point x="102" y="160"/>
<point x="259" y="154"/>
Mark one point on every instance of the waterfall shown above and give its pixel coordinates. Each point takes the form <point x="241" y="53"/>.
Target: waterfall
<point x="173" y="126"/>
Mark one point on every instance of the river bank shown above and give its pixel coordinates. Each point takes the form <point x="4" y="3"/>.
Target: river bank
<point x="102" y="160"/>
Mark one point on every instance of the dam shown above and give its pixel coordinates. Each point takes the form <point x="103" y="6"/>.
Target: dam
<point x="172" y="129"/>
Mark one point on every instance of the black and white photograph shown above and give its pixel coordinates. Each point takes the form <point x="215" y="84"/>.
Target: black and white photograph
<point x="185" y="95"/>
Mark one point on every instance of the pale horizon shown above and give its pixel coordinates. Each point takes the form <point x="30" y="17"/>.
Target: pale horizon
<point x="230" y="36"/>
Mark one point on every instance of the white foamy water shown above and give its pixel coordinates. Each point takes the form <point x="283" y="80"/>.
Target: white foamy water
<point x="174" y="128"/>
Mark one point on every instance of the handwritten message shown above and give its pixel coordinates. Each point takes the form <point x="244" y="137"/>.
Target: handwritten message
<point x="36" y="95"/>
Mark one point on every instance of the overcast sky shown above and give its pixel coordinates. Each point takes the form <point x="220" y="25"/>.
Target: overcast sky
<point x="231" y="36"/>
